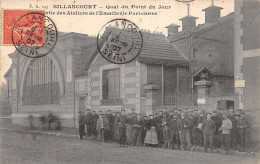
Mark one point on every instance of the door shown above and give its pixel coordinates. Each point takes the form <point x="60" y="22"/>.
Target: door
<point x="82" y="104"/>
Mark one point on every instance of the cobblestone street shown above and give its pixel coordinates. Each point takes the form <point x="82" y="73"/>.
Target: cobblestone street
<point x="23" y="148"/>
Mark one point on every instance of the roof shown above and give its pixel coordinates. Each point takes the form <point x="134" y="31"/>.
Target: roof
<point x="8" y="72"/>
<point x="202" y="27"/>
<point x="172" y="25"/>
<point x="212" y="7"/>
<point x="189" y="17"/>
<point x="156" y="49"/>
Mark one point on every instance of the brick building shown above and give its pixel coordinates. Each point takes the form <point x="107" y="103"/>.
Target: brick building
<point x="208" y="47"/>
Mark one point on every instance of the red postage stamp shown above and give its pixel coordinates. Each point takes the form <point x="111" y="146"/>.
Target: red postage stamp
<point x="17" y="24"/>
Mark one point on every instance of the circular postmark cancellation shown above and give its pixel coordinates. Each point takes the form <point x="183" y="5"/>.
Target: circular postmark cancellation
<point x="34" y="34"/>
<point x="119" y="41"/>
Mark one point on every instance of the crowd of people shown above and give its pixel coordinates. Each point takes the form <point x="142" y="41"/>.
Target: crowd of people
<point x="173" y="129"/>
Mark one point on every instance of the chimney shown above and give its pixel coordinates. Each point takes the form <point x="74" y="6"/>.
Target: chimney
<point x="212" y="12"/>
<point x="188" y="22"/>
<point x="172" y="29"/>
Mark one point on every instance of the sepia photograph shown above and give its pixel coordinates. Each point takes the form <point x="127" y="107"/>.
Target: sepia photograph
<point x="130" y="82"/>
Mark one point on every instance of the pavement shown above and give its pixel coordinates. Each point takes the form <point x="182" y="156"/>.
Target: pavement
<point x="72" y="133"/>
<point x="25" y="148"/>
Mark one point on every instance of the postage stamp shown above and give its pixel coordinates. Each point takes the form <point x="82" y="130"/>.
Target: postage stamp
<point x="119" y="41"/>
<point x="34" y="34"/>
<point x="9" y="17"/>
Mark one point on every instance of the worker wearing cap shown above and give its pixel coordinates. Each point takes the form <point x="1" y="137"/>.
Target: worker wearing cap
<point x="226" y="131"/>
<point x="208" y="128"/>
<point x="111" y="119"/>
<point x="122" y="123"/>
<point x="218" y="123"/>
<point x="175" y="139"/>
<point x="243" y="125"/>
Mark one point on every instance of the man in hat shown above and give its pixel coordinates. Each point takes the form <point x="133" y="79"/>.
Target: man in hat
<point x="82" y="121"/>
<point x="165" y="130"/>
<point x="231" y="116"/>
<point x="243" y="125"/>
<point x="208" y="128"/>
<point x="111" y="119"/>
<point x="94" y="123"/>
<point x="183" y="127"/>
<point x="122" y="122"/>
<point x="159" y="127"/>
<point x="175" y="139"/>
<point x="199" y="134"/>
<point x="226" y="131"/>
<point x="88" y="122"/>
<point x="129" y="129"/>
<point x="218" y="123"/>
<point x="138" y="130"/>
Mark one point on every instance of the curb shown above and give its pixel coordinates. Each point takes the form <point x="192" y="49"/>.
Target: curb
<point x="197" y="149"/>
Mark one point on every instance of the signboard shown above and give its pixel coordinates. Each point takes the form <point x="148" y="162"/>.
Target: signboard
<point x="239" y="83"/>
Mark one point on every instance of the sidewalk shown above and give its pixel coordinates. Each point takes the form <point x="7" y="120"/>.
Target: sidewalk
<point x="73" y="133"/>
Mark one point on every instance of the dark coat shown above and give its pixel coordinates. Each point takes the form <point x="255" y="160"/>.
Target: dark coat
<point x="122" y="121"/>
<point x="151" y="123"/>
<point x="82" y="119"/>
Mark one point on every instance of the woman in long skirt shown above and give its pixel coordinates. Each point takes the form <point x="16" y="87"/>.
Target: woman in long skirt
<point x="151" y="134"/>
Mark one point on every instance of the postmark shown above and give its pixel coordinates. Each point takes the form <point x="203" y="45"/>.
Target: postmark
<point x="34" y="34"/>
<point x="119" y="41"/>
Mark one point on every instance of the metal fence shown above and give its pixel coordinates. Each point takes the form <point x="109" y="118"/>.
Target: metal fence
<point x="179" y="100"/>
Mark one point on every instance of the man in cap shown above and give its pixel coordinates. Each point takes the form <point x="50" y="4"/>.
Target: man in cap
<point x="175" y="139"/>
<point x="208" y="128"/>
<point x="165" y="130"/>
<point x="226" y="131"/>
<point x="122" y="122"/>
<point x="184" y="132"/>
<point x="111" y="119"/>
<point x="243" y="125"/>
<point x="218" y="123"/>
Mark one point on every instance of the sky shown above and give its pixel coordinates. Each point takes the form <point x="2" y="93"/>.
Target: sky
<point x="89" y="24"/>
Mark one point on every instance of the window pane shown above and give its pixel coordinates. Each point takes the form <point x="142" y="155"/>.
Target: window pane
<point x="111" y="84"/>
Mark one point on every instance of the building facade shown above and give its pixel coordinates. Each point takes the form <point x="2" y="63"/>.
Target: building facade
<point x="247" y="23"/>
<point x="74" y="76"/>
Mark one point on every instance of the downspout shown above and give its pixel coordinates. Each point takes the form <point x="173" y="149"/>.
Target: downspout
<point x="162" y="85"/>
<point x="74" y="94"/>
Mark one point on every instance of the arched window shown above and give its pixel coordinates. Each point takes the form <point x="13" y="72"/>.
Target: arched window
<point x="41" y="83"/>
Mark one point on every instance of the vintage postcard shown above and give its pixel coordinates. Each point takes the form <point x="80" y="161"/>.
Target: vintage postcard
<point x="129" y="81"/>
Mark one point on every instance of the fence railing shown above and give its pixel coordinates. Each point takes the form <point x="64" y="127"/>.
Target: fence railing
<point x="179" y="100"/>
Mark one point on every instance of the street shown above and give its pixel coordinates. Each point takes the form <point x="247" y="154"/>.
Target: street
<point x="20" y="148"/>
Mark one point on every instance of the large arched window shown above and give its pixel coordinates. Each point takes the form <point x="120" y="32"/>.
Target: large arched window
<point x="41" y="83"/>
